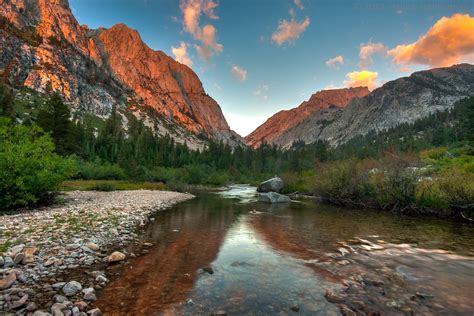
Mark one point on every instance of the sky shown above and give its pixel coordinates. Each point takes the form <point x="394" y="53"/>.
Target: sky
<point x="257" y="57"/>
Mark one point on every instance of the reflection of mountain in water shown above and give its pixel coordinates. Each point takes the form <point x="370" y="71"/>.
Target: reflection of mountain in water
<point x="269" y="259"/>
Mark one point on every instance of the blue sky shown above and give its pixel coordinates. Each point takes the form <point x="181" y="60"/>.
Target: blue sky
<point x="280" y="49"/>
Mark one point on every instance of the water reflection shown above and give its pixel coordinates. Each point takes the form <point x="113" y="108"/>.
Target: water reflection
<point x="274" y="259"/>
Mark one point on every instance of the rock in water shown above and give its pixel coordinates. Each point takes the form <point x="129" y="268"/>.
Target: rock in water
<point x="272" y="185"/>
<point x="72" y="288"/>
<point x="116" y="256"/>
<point x="273" y="197"/>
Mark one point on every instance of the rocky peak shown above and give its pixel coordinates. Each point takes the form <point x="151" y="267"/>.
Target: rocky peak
<point x="96" y="70"/>
<point x="167" y="86"/>
<point x="403" y="100"/>
<point x="275" y="126"/>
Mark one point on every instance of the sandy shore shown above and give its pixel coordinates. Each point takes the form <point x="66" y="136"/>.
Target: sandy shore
<point x="39" y="247"/>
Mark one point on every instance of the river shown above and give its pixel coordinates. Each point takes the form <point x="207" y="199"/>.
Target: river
<point x="224" y="253"/>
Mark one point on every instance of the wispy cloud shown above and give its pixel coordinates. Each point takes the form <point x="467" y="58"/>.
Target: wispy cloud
<point x="289" y="31"/>
<point x="181" y="54"/>
<point x="335" y="62"/>
<point x="299" y="4"/>
<point x="367" y="50"/>
<point x="239" y="73"/>
<point x="262" y="92"/>
<point x="449" y="41"/>
<point x="206" y="35"/>
<point x="362" y="78"/>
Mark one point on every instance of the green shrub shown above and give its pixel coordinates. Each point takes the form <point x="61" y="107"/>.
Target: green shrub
<point x="99" y="171"/>
<point x="218" y="178"/>
<point x="196" y="174"/>
<point x="107" y="187"/>
<point x="29" y="169"/>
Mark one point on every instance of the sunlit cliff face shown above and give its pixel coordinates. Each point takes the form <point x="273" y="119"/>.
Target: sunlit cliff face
<point x="97" y="70"/>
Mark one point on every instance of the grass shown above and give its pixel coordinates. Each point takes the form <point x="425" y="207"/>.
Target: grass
<point x="110" y="185"/>
<point x="430" y="182"/>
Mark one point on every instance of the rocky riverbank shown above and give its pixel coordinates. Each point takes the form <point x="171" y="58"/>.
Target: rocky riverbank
<point x="39" y="249"/>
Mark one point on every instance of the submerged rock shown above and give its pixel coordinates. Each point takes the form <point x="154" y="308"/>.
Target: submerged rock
<point x="272" y="185"/>
<point x="116" y="256"/>
<point x="273" y="197"/>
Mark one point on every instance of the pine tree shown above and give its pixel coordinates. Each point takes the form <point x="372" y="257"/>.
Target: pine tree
<point x="54" y="118"/>
<point x="6" y="101"/>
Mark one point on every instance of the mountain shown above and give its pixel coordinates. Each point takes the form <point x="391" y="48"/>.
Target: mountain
<point x="278" y="124"/>
<point x="43" y="47"/>
<point x="403" y="100"/>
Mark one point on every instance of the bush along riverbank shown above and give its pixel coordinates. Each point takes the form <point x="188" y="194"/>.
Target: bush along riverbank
<point x="40" y="250"/>
<point x="435" y="182"/>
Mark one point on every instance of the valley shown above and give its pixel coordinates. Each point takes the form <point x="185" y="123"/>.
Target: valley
<point x="153" y="165"/>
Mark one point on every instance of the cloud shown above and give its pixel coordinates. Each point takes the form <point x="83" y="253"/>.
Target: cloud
<point x="261" y="92"/>
<point x="239" y="73"/>
<point x="192" y="11"/>
<point x="335" y="62"/>
<point x="362" y="78"/>
<point x="181" y="54"/>
<point x="299" y="4"/>
<point x="449" y="41"/>
<point x="289" y="31"/>
<point x="332" y="87"/>
<point x="367" y="50"/>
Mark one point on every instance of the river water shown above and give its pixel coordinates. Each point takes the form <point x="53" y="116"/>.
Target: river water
<point x="224" y="253"/>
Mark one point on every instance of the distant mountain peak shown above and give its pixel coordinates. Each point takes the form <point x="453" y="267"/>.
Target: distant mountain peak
<point x="284" y="120"/>
<point x="403" y="100"/>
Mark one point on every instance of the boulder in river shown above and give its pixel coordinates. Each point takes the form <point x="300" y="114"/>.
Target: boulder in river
<point x="274" y="184"/>
<point x="273" y="197"/>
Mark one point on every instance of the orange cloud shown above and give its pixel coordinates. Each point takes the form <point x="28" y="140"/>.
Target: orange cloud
<point x="335" y="62"/>
<point x="192" y="11"/>
<point x="449" y="41"/>
<point x="362" y="78"/>
<point x="181" y="54"/>
<point x="289" y="31"/>
<point x="367" y="50"/>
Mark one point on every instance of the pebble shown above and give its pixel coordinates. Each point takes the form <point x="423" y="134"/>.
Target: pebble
<point x="19" y="258"/>
<point x="58" y="285"/>
<point x="208" y="270"/>
<point x="94" y="312"/>
<point x="8" y="262"/>
<point x="72" y="288"/>
<point x="81" y="305"/>
<point x="116" y="256"/>
<point x="423" y="295"/>
<point x="90" y="297"/>
<point x="7" y="281"/>
<point x="92" y="246"/>
<point x="21" y="302"/>
<point x="75" y="240"/>
<point x="295" y="308"/>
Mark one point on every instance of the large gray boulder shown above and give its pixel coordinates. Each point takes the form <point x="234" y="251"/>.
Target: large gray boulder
<point x="272" y="185"/>
<point x="273" y="197"/>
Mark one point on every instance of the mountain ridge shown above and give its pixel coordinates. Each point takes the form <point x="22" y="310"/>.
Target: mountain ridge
<point x="98" y="70"/>
<point x="283" y="120"/>
<point x="402" y="100"/>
